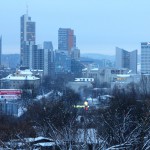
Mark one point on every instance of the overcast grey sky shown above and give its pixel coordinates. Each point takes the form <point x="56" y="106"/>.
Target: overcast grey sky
<point x="100" y="25"/>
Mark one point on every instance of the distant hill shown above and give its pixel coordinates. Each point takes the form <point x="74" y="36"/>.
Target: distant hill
<point x="99" y="59"/>
<point x="10" y="60"/>
<point x="98" y="56"/>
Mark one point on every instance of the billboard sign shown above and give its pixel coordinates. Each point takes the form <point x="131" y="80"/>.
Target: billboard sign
<point x="10" y="94"/>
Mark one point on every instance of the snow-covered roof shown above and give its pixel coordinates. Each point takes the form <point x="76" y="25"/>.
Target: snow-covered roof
<point x="21" y="111"/>
<point x="95" y="69"/>
<point x="41" y="138"/>
<point x="15" y="77"/>
<point x="25" y="72"/>
<point x="37" y="139"/>
<point x="45" y="144"/>
<point x="37" y="70"/>
<point x="84" y="69"/>
<point x="123" y="75"/>
<point x="40" y="141"/>
<point x="84" y="79"/>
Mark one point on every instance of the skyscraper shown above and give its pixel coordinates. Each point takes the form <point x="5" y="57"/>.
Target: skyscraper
<point x="62" y="63"/>
<point x="48" y="45"/>
<point x="66" y="39"/>
<point x="125" y="59"/>
<point x="40" y="59"/>
<point x="75" y="53"/>
<point x="27" y="39"/>
<point x="43" y="59"/>
<point x="0" y="50"/>
<point x="145" y="58"/>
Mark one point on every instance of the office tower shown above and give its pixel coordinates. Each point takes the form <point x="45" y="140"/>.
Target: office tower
<point x="40" y="59"/>
<point x="0" y="50"/>
<point x="27" y="55"/>
<point x="62" y="63"/>
<point x="76" y="68"/>
<point x="27" y="39"/>
<point x="133" y="61"/>
<point x="43" y="59"/>
<point x="66" y="40"/>
<point x="125" y="59"/>
<point x="51" y="66"/>
<point x="145" y="58"/>
<point x="48" y="45"/>
<point x="35" y="59"/>
<point x="75" y="53"/>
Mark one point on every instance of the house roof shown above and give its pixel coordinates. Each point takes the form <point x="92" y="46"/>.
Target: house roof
<point x="17" y="77"/>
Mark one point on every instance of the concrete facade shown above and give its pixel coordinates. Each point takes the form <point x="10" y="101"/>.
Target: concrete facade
<point x="125" y="59"/>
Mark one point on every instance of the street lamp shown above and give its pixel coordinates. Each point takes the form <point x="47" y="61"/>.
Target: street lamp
<point x="86" y="105"/>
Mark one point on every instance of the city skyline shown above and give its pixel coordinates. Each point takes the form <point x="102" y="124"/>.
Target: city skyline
<point x="100" y="26"/>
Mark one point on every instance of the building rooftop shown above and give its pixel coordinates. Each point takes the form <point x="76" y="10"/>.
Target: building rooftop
<point x="84" y="79"/>
<point x="85" y="69"/>
<point x="123" y="75"/>
<point x="14" y="77"/>
<point x="95" y="69"/>
<point x="24" y="72"/>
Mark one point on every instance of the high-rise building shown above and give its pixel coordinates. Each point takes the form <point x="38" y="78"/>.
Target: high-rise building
<point x="75" y="53"/>
<point x="27" y="39"/>
<point x="62" y="63"/>
<point x="125" y="59"/>
<point x="133" y="61"/>
<point x="76" y="68"/>
<point x="66" y="39"/>
<point x="43" y="58"/>
<point x="145" y="58"/>
<point x="27" y="55"/>
<point x="48" y="45"/>
<point x="0" y="50"/>
<point x="51" y="66"/>
<point x="35" y="57"/>
<point x="40" y="59"/>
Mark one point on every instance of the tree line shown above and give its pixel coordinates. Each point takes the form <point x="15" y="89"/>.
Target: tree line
<point x="124" y="124"/>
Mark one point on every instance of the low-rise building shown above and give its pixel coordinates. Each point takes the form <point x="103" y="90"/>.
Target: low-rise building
<point x="102" y="75"/>
<point x="122" y="80"/>
<point x="19" y="79"/>
<point x="9" y="107"/>
<point x="81" y="85"/>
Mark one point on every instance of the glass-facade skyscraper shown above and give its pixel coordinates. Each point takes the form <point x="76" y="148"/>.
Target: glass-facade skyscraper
<point x="27" y="37"/>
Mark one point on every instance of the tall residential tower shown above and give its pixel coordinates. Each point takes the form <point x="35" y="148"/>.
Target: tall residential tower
<point x="27" y="39"/>
<point x="66" y="39"/>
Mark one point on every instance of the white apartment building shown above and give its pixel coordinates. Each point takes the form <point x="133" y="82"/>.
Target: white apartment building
<point x="102" y="75"/>
<point x="125" y="59"/>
